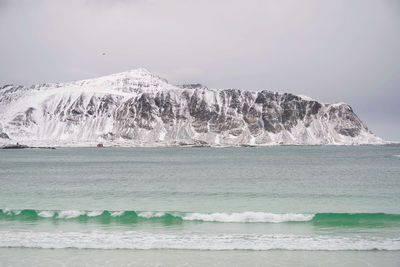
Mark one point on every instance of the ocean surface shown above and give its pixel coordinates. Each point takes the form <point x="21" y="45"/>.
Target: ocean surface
<point x="283" y="205"/>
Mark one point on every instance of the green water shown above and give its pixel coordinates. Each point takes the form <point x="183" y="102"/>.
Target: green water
<point x="264" y="199"/>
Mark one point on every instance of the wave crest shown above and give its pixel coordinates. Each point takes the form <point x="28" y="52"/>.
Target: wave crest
<point x="236" y="217"/>
<point x="248" y="216"/>
<point x="174" y="217"/>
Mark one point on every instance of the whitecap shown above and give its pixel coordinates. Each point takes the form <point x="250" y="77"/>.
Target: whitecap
<point x="16" y="212"/>
<point x="94" y="213"/>
<point x="151" y="214"/>
<point x="7" y="211"/>
<point x="248" y="216"/>
<point x="10" y="212"/>
<point x="117" y="213"/>
<point x="46" y="214"/>
<point x="68" y="214"/>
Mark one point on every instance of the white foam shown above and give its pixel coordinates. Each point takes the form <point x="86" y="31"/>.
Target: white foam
<point x="68" y="214"/>
<point x="116" y="213"/>
<point x="10" y="212"/>
<point x="248" y="216"/>
<point x="46" y="214"/>
<point x="151" y="214"/>
<point x="7" y="211"/>
<point x="191" y="240"/>
<point x="94" y="213"/>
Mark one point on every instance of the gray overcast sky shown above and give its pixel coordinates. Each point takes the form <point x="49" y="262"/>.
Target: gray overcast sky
<point x="339" y="50"/>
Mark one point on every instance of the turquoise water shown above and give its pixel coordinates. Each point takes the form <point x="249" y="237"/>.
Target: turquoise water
<point x="203" y="200"/>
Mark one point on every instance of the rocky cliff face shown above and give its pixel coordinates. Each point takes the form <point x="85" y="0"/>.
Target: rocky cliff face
<point x="137" y="108"/>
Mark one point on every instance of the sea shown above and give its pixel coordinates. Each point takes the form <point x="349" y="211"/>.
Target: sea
<point x="199" y="206"/>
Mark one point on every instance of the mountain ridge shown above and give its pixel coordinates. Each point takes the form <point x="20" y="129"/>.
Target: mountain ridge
<point x="139" y="108"/>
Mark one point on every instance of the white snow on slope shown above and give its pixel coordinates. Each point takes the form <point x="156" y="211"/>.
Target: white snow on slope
<point x="138" y="108"/>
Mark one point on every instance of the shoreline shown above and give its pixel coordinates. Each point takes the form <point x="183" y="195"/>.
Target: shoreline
<point x="96" y="145"/>
<point x="74" y="257"/>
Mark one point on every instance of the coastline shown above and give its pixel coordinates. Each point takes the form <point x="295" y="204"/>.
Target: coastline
<point x="48" y="145"/>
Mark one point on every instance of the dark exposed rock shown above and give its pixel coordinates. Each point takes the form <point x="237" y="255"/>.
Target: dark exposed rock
<point x="107" y="104"/>
<point x="4" y="136"/>
<point x="144" y="110"/>
<point x="349" y="131"/>
<point x="192" y="86"/>
<point x="164" y="103"/>
<point x="315" y="107"/>
<point x="91" y="106"/>
<point x="24" y="119"/>
<point x="16" y="146"/>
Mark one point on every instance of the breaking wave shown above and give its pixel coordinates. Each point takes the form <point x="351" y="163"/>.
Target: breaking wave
<point x="137" y="216"/>
<point x="128" y="217"/>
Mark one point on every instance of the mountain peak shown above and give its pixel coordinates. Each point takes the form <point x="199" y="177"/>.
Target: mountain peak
<point x="126" y="81"/>
<point x="135" y="74"/>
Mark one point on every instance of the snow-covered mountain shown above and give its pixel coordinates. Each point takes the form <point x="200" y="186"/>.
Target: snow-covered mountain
<point x="138" y="108"/>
